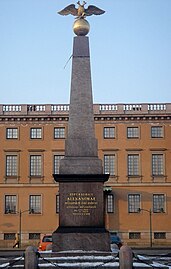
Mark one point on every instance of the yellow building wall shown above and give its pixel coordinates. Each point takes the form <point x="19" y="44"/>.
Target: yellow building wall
<point x="120" y="220"/>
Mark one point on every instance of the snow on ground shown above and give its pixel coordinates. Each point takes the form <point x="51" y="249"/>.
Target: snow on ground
<point x="83" y="258"/>
<point x="86" y="264"/>
<point x="91" y="261"/>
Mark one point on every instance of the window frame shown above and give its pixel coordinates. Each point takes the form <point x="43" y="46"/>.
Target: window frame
<point x="36" y="133"/>
<point x="12" y="208"/>
<point x="158" y="165"/>
<point x="131" y="134"/>
<point x="134" y="235"/>
<point x="12" y="134"/>
<point x="160" y="235"/>
<point x="109" y="165"/>
<point x="36" y="166"/>
<point x="34" y="203"/>
<point x="109" y="132"/>
<point x="157" y="132"/>
<point x="56" y="162"/>
<point x="59" y="133"/>
<point x="156" y="203"/>
<point x="135" y="204"/>
<point x="133" y="165"/>
<point x="11" y="236"/>
<point x="11" y="165"/>
<point x="110" y="203"/>
<point x="34" y="236"/>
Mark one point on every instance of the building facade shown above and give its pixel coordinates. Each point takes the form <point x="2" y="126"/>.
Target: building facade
<point x="134" y="143"/>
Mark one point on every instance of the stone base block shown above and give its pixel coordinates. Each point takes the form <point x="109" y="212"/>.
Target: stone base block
<point x="85" y="241"/>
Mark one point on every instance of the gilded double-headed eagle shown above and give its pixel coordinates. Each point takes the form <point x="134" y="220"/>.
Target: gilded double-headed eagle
<point x="81" y="12"/>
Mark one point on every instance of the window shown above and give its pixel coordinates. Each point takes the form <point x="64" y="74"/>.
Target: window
<point x="59" y="132"/>
<point x="57" y="203"/>
<point x="35" y="204"/>
<point x="10" y="204"/>
<point x="11" y="165"/>
<point x="133" y="203"/>
<point x="135" y="235"/>
<point x="133" y="165"/>
<point x="9" y="236"/>
<point x="34" y="236"/>
<point x="160" y="235"/>
<point x="12" y="133"/>
<point x="57" y="159"/>
<point x="35" y="165"/>
<point x="109" y="132"/>
<point x="157" y="132"/>
<point x="157" y="165"/>
<point x="36" y="133"/>
<point x="110" y="203"/>
<point x="158" y="203"/>
<point x="132" y="132"/>
<point x="109" y="164"/>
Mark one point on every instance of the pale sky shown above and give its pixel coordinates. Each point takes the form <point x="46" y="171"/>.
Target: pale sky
<point x="130" y="51"/>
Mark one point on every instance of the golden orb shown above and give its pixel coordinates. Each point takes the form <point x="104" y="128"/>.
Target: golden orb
<point x="81" y="27"/>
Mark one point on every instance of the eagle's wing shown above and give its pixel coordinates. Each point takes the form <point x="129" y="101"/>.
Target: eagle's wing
<point x="93" y="10"/>
<point x="69" y="10"/>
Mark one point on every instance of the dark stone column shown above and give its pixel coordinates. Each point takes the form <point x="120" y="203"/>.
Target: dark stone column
<point x="81" y="217"/>
<point x="81" y="145"/>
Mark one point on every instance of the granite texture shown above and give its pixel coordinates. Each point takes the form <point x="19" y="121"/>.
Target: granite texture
<point x="81" y="241"/>
<point x="81" y="150"/>
<point x="81" y="165"/>
<point x="82" y="203"/>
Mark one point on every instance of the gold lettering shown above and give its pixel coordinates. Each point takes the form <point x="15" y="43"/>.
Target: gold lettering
<point x="81" y="203"/>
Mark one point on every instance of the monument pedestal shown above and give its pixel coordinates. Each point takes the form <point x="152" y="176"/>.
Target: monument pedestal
<point x="84" y="239"/>
<point x="81" y="219"/>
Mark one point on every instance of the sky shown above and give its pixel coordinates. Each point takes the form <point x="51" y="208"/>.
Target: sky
<point x="130" y="48"/>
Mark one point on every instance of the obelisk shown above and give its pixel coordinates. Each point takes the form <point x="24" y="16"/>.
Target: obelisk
<point x="81" y="178"/>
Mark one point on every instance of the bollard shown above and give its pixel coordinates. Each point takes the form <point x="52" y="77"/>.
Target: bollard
<point x="114" y="248"/>
<point x="125" y="257"/>
<point x="31" y="258"/>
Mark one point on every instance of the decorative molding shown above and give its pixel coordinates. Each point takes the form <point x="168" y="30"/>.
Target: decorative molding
<point x="157" y="149"/>
<point x="136" y="149"/>
<point x="36" y="150"/>
<point x="58" y="150"/>
<point x="109" y="150"/>
<point x="97" y="117"/>
<point x="12" y="150"/>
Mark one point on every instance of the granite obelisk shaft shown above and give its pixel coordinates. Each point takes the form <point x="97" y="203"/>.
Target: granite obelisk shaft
<point x="81" y="155"/>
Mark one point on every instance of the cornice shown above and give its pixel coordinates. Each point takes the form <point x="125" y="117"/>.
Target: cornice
<point x="97" y="118"/>
<point x="132" y="118"/>
<point x="33" y="119"/>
